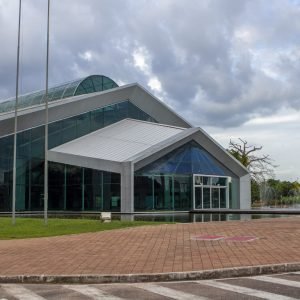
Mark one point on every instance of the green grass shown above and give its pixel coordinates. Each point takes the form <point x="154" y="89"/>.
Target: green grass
<point x="33" y="227"/>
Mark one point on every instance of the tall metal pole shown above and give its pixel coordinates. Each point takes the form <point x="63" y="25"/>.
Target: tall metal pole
<point x="46" y="125"/>
<point x="16" y="122"/>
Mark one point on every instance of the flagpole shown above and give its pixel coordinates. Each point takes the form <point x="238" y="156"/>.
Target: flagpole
<point x="46" y="125"/>
<point x="16" y="122"/>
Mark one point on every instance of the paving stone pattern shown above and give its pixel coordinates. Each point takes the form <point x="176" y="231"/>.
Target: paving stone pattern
<point x="155" y="249"/>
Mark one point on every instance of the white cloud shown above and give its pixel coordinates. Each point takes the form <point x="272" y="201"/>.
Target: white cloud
<point x="87" y="55"/>
<point x="155" y="84"/>
<point x="281" y="117"/>
<point x="141" y="60"/>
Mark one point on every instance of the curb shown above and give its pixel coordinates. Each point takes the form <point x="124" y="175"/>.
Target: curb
<point x="154" y="277"/>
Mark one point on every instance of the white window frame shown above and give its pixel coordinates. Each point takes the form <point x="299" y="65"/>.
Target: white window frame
<point x="210" y="186"/>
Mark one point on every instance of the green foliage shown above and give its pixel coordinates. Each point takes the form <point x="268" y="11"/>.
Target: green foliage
<point x="255" y="192"/>
<point x="241" y="157"/>
<point x="33" y="227"/>
<point x="284" y="188"/>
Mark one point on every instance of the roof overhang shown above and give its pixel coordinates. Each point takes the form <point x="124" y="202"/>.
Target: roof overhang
<point x="107" y="148"/>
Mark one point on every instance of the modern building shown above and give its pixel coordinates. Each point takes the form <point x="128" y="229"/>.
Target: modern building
<point x="113" y="149"/>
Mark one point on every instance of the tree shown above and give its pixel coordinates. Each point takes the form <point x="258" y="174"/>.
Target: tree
<point x="260" y="167"/>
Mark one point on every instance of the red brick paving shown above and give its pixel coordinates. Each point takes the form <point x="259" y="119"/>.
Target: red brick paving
<point x="151" y="249"/>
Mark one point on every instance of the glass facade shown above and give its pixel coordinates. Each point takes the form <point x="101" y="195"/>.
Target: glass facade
<point x="162" y="192"/>
<point x="80" y="189"/>
<point x="90" y="84"/>
<point x="168" y="184"/>
<point x="188" y="159"/>
<point x="67" y="184"/>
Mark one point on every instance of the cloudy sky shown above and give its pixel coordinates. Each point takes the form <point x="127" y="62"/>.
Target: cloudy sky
<point x="231" y="67"/>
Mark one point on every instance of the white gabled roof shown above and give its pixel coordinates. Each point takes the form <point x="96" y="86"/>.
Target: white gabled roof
<point x="119" y="141"/>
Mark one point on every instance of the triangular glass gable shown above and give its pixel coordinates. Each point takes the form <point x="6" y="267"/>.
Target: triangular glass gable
<point x="190" y="158"/>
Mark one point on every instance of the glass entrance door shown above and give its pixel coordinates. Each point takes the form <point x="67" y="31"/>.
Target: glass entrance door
<point x="215" y="197"/>
<point x="210" y="191"/>
<point x="198" y="197"/>
<point x="206" y="197"/>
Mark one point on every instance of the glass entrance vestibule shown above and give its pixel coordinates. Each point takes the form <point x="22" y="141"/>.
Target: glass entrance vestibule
<point x="210" y="191"/>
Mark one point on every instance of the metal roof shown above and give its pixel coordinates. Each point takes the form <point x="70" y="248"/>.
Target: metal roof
<point x="119" y="141"/>
<point x="86" y="85"/>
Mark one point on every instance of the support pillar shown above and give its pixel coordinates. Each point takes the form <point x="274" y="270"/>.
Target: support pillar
<point x="127" y="187"/>
<point x="245" y="192"/>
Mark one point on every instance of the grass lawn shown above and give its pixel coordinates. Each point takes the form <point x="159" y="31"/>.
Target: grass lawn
<point x="33" y="227"/>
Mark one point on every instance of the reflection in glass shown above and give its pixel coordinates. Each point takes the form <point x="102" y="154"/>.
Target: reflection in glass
<point x="198" y="180"/>
<point x="163" y="192"/>
<point x="198" y="197"/>
<point x="143" y="193"/>
<point x="182" y="192"/>
<point x="206" y="198"/>
<point x="215" y="198"/>
<point x="223" y="197"/>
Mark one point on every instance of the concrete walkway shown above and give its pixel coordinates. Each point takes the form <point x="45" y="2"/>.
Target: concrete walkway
<point x="156" y="249"/>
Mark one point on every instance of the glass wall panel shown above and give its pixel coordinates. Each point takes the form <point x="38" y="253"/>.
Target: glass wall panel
<point x="24" y="144"/>
<point x="37" y="142"/>
<point x="5" y="203"/>
<point x="206" y="180"/>
<point x="206" y="198"/>
<point x="215" y="198"/>
<point x="37" y="197"/>
<point x="188" y="159"/>
<point x="182" y="192"/>
<point x="198" y="197"/>
<point x="111" y="191"/>
<point x="97" y="119"/>
<point x="74" y="188"/>
<point x="93" y="195"/>
<point x="143" y="193"/>
<point x="83" y="124"/>
<point x="69" y="129"/>
<point x="223" y="197"/>
<point x="136" y="113"/>
<point x="35" y="187"/>
<point x="163" y="190"/>
<point x="222" y="181"/>
<point x="56" y="189"/>
<point x="55" y="134"/>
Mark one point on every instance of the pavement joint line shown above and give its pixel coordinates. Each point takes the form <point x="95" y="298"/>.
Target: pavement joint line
<point x="156" y="277"/>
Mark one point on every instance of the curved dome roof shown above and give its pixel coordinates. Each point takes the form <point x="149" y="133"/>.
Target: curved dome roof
<point x="90" y="84"/>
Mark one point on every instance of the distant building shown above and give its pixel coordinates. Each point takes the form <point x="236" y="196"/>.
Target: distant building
<point x="114" y="149"/>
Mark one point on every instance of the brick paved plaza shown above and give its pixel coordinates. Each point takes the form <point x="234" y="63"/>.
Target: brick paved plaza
<point x="151" y="249"/>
